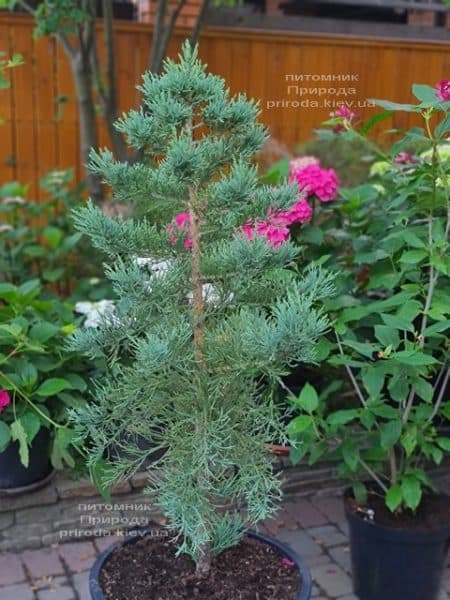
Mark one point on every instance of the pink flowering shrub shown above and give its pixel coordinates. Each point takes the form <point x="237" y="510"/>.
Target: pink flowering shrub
<point x="443" y="90"/>
<point x="180" y="224"/>
<point x="313" y="180"/>
<point x="5" y="400"/>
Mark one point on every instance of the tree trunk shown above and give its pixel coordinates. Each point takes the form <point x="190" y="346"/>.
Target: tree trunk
<point x="203" y="563"/>
<point x="82" y="74"/>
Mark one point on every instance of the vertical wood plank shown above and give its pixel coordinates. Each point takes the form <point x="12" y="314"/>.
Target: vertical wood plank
<point x="24" y="98"/>
<point x="7" y="138"/>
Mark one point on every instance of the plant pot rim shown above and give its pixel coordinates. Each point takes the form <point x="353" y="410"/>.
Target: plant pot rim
<point x="304" y="594"/>
<point x="31" y="487"/>
<point x="419" y="535"/>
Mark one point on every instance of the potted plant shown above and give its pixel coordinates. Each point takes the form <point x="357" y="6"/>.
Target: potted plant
<point x="391" y="337"/>
<point x="190" y="346"/>
<point x="38" y="381"/>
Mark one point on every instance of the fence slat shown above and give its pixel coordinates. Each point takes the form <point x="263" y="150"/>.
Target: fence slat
<point x="255" y="62"/>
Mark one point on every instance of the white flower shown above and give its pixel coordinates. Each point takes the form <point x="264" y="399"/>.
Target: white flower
<point x="96" y="312"/>
<point x="210" y="294"/>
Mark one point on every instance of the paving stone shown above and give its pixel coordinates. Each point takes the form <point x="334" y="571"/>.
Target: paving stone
<point x="44" y="561"/>
<point x="6" y="520"/>
<point x="49" y="582"/>
<point x="332" y="579"/>
<point x="140" y="480"/>
<point x="25" y="543"/>
<point x="79" y="488"/>
<point x="341" y="555"/>
<point x="314" y="591"/>
<point x="17" y="592"/>
<point x="321" y="559"/>
<point x="327" y="535"/>
<point x="46" y="495"/>
<point x="36" y="515"/>
<point x="348" y="597"/>
<point x="78" y="556"/>
<point x="343" y="526"/>
<point x="307" y="515"/>
<point x="62" y="593"/>
<point x="11" y="569"/>
<point x="301" y="542"/>
<point x="332" y="507"/>
<point x="285" y="519"/>
<point x="101" y="543"/>
<point x="81" y="585"/>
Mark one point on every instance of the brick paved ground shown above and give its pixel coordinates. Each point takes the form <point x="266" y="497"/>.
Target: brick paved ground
<point x="314" y="526"/>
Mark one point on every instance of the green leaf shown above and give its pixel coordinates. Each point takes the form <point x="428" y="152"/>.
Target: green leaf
<point x="350" y="454"/>
<point x="444" y="443"/>
<point x="423" y="389"/>
<point x="27" y="373"/>
<point x="31" y="424"/>
<point x="77" y="382"/>
<point x="51" y="387"/>
<point x="390" y="433"/>
<point x="18" y="434"/>
<point x="53" y="235"/>
<point x="373" y="121"/>
<point x="443" y="127"/>
<point x="409" y="440"/>
<point x="299" y="424"/>
<point x="342" y="417"/>
<point x="395" y="105"/>
<point x="43" y="331"/>
<point x="411" y="491"/>
<point x="412" y="239"/>
<point x="364" y="349"/>
<point x="360" y="492"/>
<point x="396" y="322"/>
<point x="413" y="257"/>
<point x="414" y="359"/>
<point x="98" y="472"/>
<point x="387" y="336"/>
<point x="425" y="93"/>
<point x="373" y="380"/>
<point x="437" y="328"/>
<point x="394" y="497"/>
<point x="30" y="288"/>
<point x="308" y="399"/>
<point x="5" y="436"/>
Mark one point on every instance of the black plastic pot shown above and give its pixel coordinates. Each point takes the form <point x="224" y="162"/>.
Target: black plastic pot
<point x="305" y="593"/>
<point x="14" y="477"/>
<point x="396" y="564"/>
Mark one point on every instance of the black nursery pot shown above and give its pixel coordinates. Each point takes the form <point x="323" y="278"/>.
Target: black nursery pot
<point x="14" y="477"/>
<point x="305" y="592"/>
<point x="396" y="564"/>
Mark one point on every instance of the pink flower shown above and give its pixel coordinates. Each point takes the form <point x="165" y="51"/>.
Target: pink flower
<point x="180" y="222"/>
<point x="443" y="90"/>
<point x="323" y="183"/>
<point x="343" y="112"/>
<point x="276" y="235"/>
<point x="182" y="219"/>
<point x="300" y="212"/>
<point x="296" y="164"/>
<point x="286" y="562"/>
<point x="248" y="230"/>
<point x="404" y="158"/>
<point x="5" y="400"/>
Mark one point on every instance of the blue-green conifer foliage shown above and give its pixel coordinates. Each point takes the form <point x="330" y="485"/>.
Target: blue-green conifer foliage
<point x="199" y="333"/>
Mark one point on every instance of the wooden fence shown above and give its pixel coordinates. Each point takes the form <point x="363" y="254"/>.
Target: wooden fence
<point x="41" y="130"/>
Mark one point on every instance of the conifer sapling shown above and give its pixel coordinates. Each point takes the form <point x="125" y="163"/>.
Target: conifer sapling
<point x="192" y="347"/>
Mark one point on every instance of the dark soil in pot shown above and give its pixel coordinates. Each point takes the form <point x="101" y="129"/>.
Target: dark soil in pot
<point x="433" y="512"/>
<point x="149" y="570"/>
<point x="398" y="557"/>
